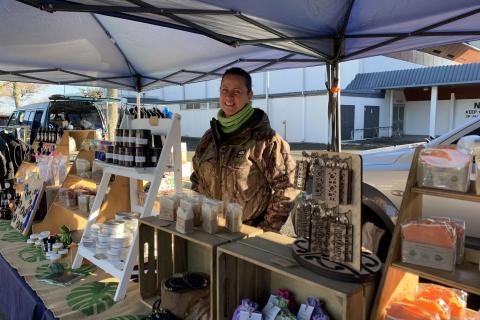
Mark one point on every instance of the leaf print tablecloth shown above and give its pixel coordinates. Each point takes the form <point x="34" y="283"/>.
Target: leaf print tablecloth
<point x="89" y="298"/>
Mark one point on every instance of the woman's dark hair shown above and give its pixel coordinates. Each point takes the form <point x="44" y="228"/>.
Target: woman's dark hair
<point x="242" y="73"/>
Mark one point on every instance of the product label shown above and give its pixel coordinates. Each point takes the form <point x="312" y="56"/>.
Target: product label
<point x="131" y="139"/>
<point x="244" y="315"/>
<point x="140" y="159"/>
<point x="141" y="141"/>
<point x="128" y="158"/>
<point x="115" y="156"/>
<point x="121" y="157"/>
<point x="108" y="155"/>
<point x="119" y="139"/>
<point x="270" y="311"/>
<point x="154" y="159"/>
<point x="305" y="312"/>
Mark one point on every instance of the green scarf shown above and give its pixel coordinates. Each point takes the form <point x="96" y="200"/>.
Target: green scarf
<point x="232" y="123"/>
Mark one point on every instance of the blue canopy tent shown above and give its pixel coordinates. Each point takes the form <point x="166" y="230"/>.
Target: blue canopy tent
<point x="211" y="35"/>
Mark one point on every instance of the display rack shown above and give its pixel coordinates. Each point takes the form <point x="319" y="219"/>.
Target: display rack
<point x="165" y="127"/>
<point x="63" y="145"/>
<point x="165" y="251"/>
<point x="403" y="277"/>
<point x="58" y="214"/>
<point x="364" y="266"/>
<point x="256" y="267"/>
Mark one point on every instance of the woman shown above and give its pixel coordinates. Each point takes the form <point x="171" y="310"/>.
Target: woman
<point x="241" y="159"/>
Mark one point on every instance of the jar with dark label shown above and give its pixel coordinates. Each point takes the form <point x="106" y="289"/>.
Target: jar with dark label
<point x="115" y="154"/>
<point x="121" y="156"/>
<point x="157" y="141"/>
<point x="143" y="138"/>
<point x="129" y="157"/>
<point x="132" y="136"/>
<point x="119" y="137"/>
<point x="109" y="154"/>
<point x="155" y="156"/>
<point x="140" y="157"/>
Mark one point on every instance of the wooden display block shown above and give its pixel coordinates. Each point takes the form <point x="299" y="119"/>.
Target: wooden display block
<point x="178" y="252"/>
<point x="256" y="267"/>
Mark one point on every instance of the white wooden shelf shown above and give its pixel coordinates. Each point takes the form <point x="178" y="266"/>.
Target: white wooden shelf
<point x="168" y="127"/>
<point x="106" y="265"/>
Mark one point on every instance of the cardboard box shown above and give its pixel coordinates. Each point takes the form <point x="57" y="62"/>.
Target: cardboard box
<point x="428" y="255"/>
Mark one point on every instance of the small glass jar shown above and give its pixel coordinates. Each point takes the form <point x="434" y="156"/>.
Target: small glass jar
<point x="140" y="157"/>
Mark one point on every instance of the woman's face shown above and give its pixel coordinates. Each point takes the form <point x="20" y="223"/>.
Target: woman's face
<point x="234" y="94"/>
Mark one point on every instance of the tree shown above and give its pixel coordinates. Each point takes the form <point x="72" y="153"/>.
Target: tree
<point x="92" y="92"/>
<point x="18" y="91"/>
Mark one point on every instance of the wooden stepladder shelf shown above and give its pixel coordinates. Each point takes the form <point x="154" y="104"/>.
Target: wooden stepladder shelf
<point x="165" y="127"/>
<point x="399" y="276"/>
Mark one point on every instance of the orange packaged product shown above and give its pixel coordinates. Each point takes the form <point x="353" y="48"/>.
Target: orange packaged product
<point x="399" y="310"/>
<point x="454" y="299"/>
<point x="429" y="231"/>
<point x="437" y="306"/>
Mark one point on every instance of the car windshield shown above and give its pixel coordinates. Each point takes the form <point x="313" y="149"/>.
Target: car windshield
<point x="78" y="114"/>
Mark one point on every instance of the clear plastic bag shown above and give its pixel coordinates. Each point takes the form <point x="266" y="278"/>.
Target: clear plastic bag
<point x="444" y="168"/>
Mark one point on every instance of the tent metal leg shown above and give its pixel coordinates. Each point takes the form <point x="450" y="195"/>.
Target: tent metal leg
<point x="334" y="121"/>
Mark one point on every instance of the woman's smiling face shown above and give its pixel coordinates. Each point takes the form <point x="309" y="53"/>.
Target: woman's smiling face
<point x="234" y="94"/>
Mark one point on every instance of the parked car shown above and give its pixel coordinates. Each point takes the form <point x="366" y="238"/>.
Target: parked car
<point x="385" y="173"/>
<point x="72" y="112"/>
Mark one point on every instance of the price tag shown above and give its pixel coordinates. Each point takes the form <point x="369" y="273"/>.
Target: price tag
<point x="270" y="310"/>
<point x="305" y="312"/>
<point x="244" y="315"/>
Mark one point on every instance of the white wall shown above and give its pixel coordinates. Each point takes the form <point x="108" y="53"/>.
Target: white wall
<point x="359" y="104"/>
<point x="460" y="107"/>
<point x="417" y="116"/>
<point x="316" y="119"/>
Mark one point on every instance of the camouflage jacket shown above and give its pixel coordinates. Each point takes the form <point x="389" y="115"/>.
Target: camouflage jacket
<point x="253" y="168"/>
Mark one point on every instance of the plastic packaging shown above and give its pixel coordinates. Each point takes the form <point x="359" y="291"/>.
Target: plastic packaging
<point x="194" y="202"/>
<point x="455" y="299"/>
<point x="444" y="168"/>
<point x="83" y="203"/>
<point x="211" y="211"/>
<point x="469" y="145"/>
<point x="429" y="243"/>
<point x="234" y="217"/>
<point x="184" y="220"/>
<point x="459" y="226"/>
<point x="97" y="172"/>
<point x="168" y="207"/>
<point x="63" y="195"/>
<point x="83" y="166"/>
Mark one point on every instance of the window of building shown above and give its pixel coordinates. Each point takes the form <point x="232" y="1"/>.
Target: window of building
<point x="214" y="105"/>
<point x="194" y="106"/>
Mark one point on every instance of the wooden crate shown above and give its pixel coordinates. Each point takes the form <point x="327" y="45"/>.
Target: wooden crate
<point x="256" y="267"/>
<point x="164" y="251"/>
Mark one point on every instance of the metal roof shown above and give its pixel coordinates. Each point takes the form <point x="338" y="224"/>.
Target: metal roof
<point x="419" y="77"/>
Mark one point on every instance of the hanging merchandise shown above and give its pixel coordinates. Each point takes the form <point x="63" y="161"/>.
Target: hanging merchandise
<point x="328" y="217"/>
